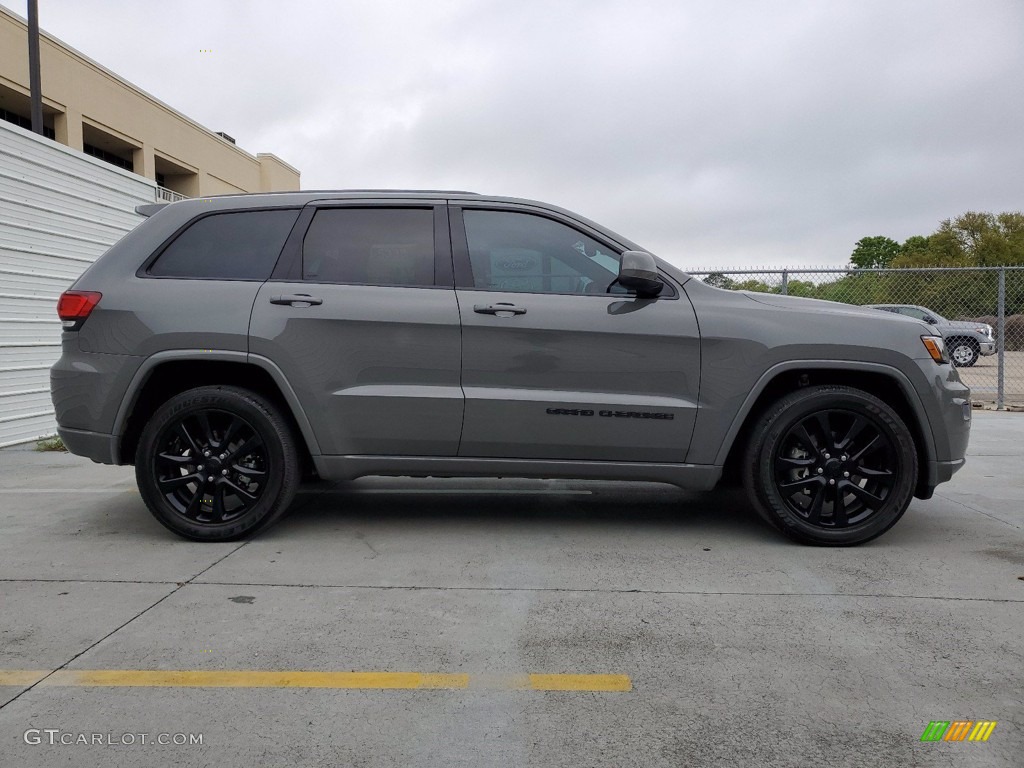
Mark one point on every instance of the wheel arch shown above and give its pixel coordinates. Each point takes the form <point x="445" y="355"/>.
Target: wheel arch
<point x="962" y="337"/>
<point x="888" y="384"/>
<point x="958" y="338"/>
<point x="166" y="374"/>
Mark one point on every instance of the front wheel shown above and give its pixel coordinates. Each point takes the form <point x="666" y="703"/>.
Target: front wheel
<point x="831" y="466"/>
<point x="217" y="463"/>
<point x="964" y="352"/>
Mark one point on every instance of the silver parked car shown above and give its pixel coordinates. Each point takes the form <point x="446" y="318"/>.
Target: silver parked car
<point x="965" y="340"/>
<point x="228" y="346"/>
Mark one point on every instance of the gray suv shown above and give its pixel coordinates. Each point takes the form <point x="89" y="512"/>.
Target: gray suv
<point x="965" y="340"/>
<point x="230" y="346"/>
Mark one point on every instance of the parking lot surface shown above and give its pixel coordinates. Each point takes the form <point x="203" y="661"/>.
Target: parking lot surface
<point x="983" y="378"/>
<point x="540" y="623"/>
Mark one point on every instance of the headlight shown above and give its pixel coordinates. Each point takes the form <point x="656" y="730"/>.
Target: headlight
<point x="936" y="348"/>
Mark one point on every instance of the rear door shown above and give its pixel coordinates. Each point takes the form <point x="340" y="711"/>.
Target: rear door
<point x="559" y="362"/>
<point x="361" y="317"/>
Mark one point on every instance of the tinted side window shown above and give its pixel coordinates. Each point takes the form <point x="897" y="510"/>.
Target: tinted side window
<point x="370" y="246"/>
<point x="521" y="252"/>
<point x="228" y="246"/>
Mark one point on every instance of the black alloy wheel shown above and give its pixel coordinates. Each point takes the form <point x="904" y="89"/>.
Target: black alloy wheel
<point x="831" y="465"/>
<point x="835" y="468"/>
<point x="217" y="463"/>
<point x="212" y="466"/>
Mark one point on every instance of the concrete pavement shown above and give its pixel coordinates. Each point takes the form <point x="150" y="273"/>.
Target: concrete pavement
<point x="741" y="648"/>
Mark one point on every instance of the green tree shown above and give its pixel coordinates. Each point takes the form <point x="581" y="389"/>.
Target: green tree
<point x="972" y="239"/>
<point x="718" y="280"/>
<point x="877" y="251"/>
<point x="913" y="245"/>
<point x="757" y="286"/>
<point x="802" y="288"/>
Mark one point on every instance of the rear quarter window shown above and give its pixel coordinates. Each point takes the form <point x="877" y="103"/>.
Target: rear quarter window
<point x="227" y="246"/>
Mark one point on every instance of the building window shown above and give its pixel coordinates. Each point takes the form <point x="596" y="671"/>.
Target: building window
<point x="108" y="157"/>
<point x="25" y="123"/>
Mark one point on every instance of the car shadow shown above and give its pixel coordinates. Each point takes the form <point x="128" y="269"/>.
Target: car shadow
<point x="509" y="503"/>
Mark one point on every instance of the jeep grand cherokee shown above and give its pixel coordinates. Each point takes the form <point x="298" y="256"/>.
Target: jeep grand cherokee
<point x="227" y="346"/>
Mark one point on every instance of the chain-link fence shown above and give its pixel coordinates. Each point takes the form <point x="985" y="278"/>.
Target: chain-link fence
<point x="979" y="311"/>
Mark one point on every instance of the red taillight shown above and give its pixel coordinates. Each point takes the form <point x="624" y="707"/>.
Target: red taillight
<point x="74" y="306"/>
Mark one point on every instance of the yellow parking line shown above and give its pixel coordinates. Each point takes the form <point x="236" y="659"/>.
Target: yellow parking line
<point x="241" y="678"/>
<point x="22" y="676"/>
<point x="581" y="683"/>
<point x="252" y="679"/>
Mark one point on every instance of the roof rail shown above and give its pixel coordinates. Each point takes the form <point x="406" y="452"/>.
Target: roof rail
<point x="347" y="191"/>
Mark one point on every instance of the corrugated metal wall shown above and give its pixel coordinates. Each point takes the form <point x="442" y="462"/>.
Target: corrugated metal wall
<point x="59" y="210"/>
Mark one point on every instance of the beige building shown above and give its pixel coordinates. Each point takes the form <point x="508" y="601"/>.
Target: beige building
<point x="89" y="108"/>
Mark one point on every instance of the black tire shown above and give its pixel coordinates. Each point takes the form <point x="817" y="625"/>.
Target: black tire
<point x="830" y="466"/>
<point x="963" y="353"/>
<point x="217" y="464"/>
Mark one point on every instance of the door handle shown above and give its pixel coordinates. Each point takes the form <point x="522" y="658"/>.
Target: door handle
<point x="502" y="308"/>
<point x="296" y="299"/>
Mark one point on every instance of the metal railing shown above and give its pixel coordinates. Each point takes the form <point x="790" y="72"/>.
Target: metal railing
<point x="165" y="195"/>
<point x="982" y="296"/>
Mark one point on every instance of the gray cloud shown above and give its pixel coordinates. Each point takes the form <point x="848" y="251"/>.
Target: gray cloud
<point x="716" y="134"/>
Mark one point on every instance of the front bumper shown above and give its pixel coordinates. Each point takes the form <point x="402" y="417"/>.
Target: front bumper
<point x="947" y="405"/>
<point x="987" y="347"/>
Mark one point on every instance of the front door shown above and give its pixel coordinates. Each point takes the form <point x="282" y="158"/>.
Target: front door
<point x="559" y="361"/>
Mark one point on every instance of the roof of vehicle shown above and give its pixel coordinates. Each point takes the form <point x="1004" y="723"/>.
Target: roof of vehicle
<point x="301" y="197"/>
<point x="193" y="206"/>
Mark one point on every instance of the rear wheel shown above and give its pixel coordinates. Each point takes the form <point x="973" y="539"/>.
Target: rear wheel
<point x="964" y="352"/>
<point x="831" y="465"/>
<point x="217" y="463"/>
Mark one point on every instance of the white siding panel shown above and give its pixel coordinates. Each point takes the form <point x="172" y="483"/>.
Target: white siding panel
<point x="27" y="221"/>
<point x="20" y="404"/>
<point x="59" y="211"/>
<point x="35" y="193"/>
<point x="27" y="428"/>
<point x="20" y="358"/>
<point x="43" y="287"/>
<point x="14" y="332"/>
<point x="16" y="306"/>
<point x="27" y="243"/>
<point x="20" y="379"/>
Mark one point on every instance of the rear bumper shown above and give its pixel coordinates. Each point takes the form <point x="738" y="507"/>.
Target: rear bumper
<point x="99" y="447"/>
<point x="938" y="472"/>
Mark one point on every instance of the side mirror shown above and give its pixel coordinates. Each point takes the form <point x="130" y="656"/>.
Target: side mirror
<point x="639" y="272"/>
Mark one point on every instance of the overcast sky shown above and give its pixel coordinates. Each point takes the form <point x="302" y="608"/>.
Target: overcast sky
<point x="715" y="133"/>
